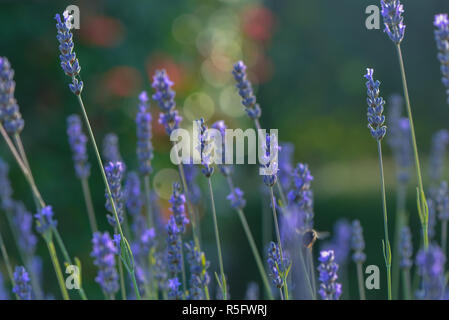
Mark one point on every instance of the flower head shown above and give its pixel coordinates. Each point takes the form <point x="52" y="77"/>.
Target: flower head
<point x="133" y="194"/>
<point x="174" y="291"/>
<point x="330" y="289"/>
<point x="405" y="248"/>
<point x="442" y="38"/>
<point x="174" y="246"/>
<point x="246" y="91"/>
<point x="237" y="199"/>
<point x="165" y="99"/>
<point x="45" y="220"/>
<point x="269" y="159"/>
<point x="78" y="141"/>
<point x="357" y="242"/>
<point x="430" y="264"/>
<point x="69" y="62"/>
<point x="392" y="11"/>
<point x="143" y="126"/>
<point x="10" y="115"/>
<point x="104" y="251"/>
<point x="301" y="195"/>
<point x="177" y="202"/>
<point x="114" y="174"/>
<point x="277" y="266"/>
<point x="375" y="107"/>
<point x="199" y="277"/>
<point x="22" y="287"/>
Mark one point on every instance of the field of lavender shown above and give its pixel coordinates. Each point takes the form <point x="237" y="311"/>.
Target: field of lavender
<point x="92" y="205"/>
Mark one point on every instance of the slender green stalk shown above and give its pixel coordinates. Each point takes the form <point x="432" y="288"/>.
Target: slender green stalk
<point x="89" y="205"/>
<point x="252" y="243"/>
<point x="146" y="181"/>
<point x="407" y="287"/>
<point x="223" y="284"/>
<point x="360" y="281"/>
<point x="122" y="280"/>
<point x="278" y="235"/>
<point x="108" y="190"/>
<point x="421" y="195"/>
<point x="399" y="223"/>
<point x="387" y="248"/>
<point x="57" y="267"/>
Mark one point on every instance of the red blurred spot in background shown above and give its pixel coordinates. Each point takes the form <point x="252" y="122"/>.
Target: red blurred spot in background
<point x="258" y="23"/>
<point x="122" y="81"/>
<point x="262" y="69"/>
<point x="102" y="31"/>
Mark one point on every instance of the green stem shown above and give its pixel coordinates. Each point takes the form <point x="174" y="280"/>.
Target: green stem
<point x="399" y="223"/>
<point x="406" y="284"/>
<point x="387" y="248"/>
<point x="217" y="240"/>
<point x="57" y="267"/>
<point x="89" y="205"/>
<point x="423" y="210"/>
<point x="108" y="190"/>
<point x="360" y="281"/>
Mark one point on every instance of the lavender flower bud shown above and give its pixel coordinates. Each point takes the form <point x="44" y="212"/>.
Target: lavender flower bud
<point x="431" y="264"/>
<point x="237" y="199"/>
<point x="45" y="220"/>
<point x="442" y="202"/>
<point x="69" y="62"/>
<point x="174" y="246"/>
<point x="9" y="110"/>
<point x="375" y="107"/>
<point x="104" y="251"/>
<point x="330" y="289"/>
<point x="246" y="91"/>
<point x="405" y="248"/>
<point x="357" y="242"/>
<point x="392" y="11"/>
<point x="399" y="139"/>
<point x="133" y="194"/>
<point x="177" y="201"/>
<point x="144" y="145"/>
<point x="199" y="277"/>
<point x="7" y="203"/>
<point x="78" y="141"/>
<point x="174" y="291"/>
<point x="22" y="287"/>
<point x="111" y="149"/>
<point x="165" y="99"/>
<point x="23" y="221"/>
<point x="277" y="266"/>
<point x="114" y="174"/>
<point x="440" y="141"/>
<point x="205" y="148"/>
<point x="270" y="147"/>
<point x="442" y="39"/>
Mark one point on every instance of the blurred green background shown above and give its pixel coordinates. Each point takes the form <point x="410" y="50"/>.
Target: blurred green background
<point x="306" y="59"/>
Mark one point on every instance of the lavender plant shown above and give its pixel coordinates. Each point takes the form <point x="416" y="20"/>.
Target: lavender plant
<point x="330" y="289"/>
<point x="442" y="39"/>
<point x="22" y="286"/>
<point x="376" y="122"/>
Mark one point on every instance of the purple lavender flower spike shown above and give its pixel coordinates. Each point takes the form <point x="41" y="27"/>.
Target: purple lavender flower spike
<point x="301" y="196"/>
<point x="406" y="249"/>
<point x="269" y="163"/>
<point x="375" y="107"/>
<point x="330" y="289"/>
<point x="246" y="91"/>
<point x="399" y="139"/>
<point x="277" y="267"/>
<point x="111" y="149"/>
<point x="442" y="38"/>
<point x="173" y="246"/>
<point x="114" y="174"/>
<point x="45" y="220"/>
<point x="177" y="202"/>
<point x="78" y="141"/>
<point x="104" y="251"/>
<point x="22" y="287"/>
<point x="430" y="264"/>
<point x="199" y="277"/>
<point x="440" y="141"/>
<point x="10" y="115"/>
<point x="205" y="148"/>
<point x="392" y="11"/>
<point x="144" y="135"/>
<point x="237" y="199"/>
<point x="165" y="99"/>
<point x="358" y="242"/>
<point x="69" y="62"/>
<point x="23" y="220"/>
<point x="174" y="291"/>
<point x="133" y="194"/>
<point x="7" y="203"/>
